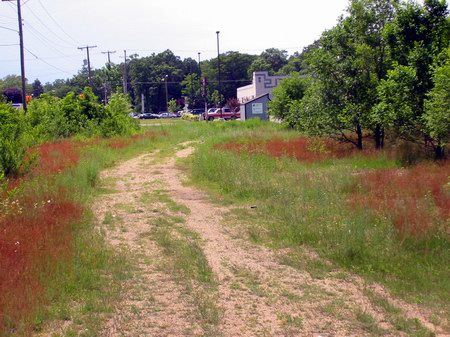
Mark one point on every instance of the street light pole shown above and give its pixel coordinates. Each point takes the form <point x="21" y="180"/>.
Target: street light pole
<point x="167" y="93"/>
<point x="218" y="69"/>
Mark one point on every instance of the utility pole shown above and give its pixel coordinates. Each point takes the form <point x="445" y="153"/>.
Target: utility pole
<point x="125" y="75"/>
<point x="89" y="64"/>
<point x="22" y="56"/>
<point x="199" y="68"/>
<point x="109" y="55"/>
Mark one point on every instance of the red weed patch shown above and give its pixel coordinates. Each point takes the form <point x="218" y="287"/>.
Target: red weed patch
<point x="415" y="199"/>
<point x="51" y="158"/>
<point x="56" y="157"/>
<point x="303" y="149"/>
<point x="34" y="237"/>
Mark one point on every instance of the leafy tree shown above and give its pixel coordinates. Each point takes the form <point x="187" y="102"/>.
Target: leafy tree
<point x="349" y="64"/>
<point x="259" y="65"/>
<point x="437" y="108"/>
<point x="233" y="104"/>
<point x="297" y="61"/>
<point x="108" y="80"/>
<point x="276" y="58"/>
<point x="14" y="81"/>
<point x="13" y="95"/>
<point x="148" y="78"/>
<point x="234" y="72"/>
<point x="38" y="89"/>
<point x="310" y="115"/>
<point x="216" y="98"/>
<point x="117" y="121"/>
<point x="417" y="37"/>
<point x="289" y="90"/>
<point x="398" y="104"/>
<point x="191" y="89"/>
<point x="172" y="105"/>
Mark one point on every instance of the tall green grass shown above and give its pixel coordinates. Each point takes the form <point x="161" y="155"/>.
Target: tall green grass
<point x="306" y="204"/>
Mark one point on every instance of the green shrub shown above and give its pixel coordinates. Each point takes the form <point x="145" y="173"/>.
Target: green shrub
<point x="117" y="120"/>
<point x="190" y="117"/>
<point x="13" y="139"/>
<point x="48" y="119"/>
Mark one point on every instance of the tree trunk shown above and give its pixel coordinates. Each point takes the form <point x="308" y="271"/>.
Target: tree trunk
<point x="379" y="137"/>
<point x="359" y="143"/>
<point x="439" y="153"/>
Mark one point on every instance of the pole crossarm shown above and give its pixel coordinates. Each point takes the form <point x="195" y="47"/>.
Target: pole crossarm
<point x="91" y="84"/>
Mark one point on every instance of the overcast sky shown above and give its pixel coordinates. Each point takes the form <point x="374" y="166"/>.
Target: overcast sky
<point x="53" y="29"/>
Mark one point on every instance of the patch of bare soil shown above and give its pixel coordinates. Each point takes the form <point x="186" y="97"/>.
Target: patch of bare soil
<point x="257" y="294"/>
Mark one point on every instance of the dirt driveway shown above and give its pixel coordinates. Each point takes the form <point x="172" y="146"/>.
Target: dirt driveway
<point x="237" y="288"/>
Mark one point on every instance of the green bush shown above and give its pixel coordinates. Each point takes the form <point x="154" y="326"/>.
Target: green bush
<point x="48" y="119"/>
<point x="13" y="139"/>
<point x="190" y="117"/>
<point x="117" y="120"/>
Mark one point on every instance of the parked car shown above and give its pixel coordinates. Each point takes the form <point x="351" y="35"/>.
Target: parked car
<point x="149" y="116"/>
<point x="224" y="113"/>
<point x="166" y="114"/>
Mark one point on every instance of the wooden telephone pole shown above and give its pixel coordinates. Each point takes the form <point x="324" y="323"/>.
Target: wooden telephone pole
<point x="22" y="56"/>
<point x="91" y="84"/>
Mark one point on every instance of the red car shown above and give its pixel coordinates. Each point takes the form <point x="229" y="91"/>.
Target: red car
<point x="224" y="113"/>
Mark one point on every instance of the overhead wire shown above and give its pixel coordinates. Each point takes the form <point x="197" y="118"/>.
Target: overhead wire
<point x="50" y="30"/>
<point x="56" y="23"/>
<point x="45" y="40"/>
<point x="7" y="28"/>
<point x="44" y="37"/>
<point x="47" y="63"/>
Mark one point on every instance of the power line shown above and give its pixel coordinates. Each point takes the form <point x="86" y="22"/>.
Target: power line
<point x="7" y="17"/>
<point x="9" y="29"/>
<point x="49" y="64"/>
<point x="9" y="45"/>
<point x="43" y="37"/>
<point x="51" y="17"/>
<point x="50" y="30"/>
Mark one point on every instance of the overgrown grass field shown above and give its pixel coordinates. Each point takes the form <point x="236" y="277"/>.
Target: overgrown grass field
<point x="360" y="210"/>
<point x="52" y="259"/>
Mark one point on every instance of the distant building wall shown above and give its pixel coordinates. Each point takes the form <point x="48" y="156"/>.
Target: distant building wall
<point x="256" y="108"/>
<point x="262" y="84"/>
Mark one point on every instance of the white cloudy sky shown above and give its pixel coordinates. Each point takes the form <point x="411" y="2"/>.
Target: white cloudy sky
<point x="53" y="29"/>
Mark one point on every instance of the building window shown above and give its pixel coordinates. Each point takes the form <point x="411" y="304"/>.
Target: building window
<point x="259" y="79"/>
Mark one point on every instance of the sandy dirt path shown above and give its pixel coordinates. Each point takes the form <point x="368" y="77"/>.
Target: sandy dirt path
<point x="257" y="294"/>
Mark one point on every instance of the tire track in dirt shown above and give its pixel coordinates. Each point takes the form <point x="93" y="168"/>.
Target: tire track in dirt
<point x="264" y="308"/>
<point x="153" y="303"/>
<point x="258" y="295"/>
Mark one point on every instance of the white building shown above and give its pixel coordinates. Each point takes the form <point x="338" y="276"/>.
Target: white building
<point x="262" y="84"/>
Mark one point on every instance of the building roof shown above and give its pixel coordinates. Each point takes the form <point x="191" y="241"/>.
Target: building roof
<point x="256" y="98"/>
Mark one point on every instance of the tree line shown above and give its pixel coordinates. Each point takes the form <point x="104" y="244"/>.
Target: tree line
<point x="146" y="78"/>
<point x="382" y="71"/>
